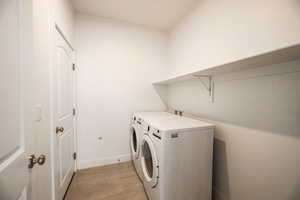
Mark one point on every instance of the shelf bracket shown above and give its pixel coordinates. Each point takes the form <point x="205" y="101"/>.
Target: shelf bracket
<point x="208" y="84"/>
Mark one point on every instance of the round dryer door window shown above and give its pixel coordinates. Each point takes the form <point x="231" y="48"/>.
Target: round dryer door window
<point x="150" y="165"/>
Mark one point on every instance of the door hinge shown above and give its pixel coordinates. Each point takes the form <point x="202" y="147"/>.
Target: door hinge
<point x="74" y="111"/>
<point x="73" y="67"/>
<point x="74" y="156"/>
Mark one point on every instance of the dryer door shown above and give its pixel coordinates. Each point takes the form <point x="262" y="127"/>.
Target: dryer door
<point x="150" y="165"/>
<point x="134" y="141"/>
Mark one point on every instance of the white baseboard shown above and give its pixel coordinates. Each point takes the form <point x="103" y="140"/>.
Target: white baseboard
<point x="82" y="164"/>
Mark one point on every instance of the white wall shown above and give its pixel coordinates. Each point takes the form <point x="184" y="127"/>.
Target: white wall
<point x="253" y="164"/>
<point x="263" y="98"/>
<point x="257" y="139"/>
<point x="41" y="15"/>
<point x="64" y="17"/>
<point x="117" y="63"/>
<point x="45" y="14"/>
<point x="220" y="31"/>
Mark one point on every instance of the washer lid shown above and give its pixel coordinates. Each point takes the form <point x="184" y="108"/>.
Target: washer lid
<point x="150" y="165"/>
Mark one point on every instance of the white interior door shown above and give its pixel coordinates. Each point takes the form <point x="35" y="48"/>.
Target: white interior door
<point x="15" y="138"/>
<point x="64" y="119"/>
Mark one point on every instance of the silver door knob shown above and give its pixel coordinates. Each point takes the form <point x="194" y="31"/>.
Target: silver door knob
<point x="59" y="129"/>
<point x="41" y="160"/>
<point x="32" y="160"/>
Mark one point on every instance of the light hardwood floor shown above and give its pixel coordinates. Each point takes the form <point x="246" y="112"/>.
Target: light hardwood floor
<point x="113" y="182"/>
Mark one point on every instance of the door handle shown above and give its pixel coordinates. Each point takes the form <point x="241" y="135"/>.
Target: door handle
<point x="59" y="129"/>
<point x="32" y="160"/>
<point x="41" y="160"/>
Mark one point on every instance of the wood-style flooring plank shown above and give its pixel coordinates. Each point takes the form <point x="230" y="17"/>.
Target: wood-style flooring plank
<point x="112" y="182"/>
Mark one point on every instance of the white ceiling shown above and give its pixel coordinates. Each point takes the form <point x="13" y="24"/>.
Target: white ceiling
<point x="162" y="14"/>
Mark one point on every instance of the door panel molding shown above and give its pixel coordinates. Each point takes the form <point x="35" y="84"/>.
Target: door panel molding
<point x="15" y="137"/>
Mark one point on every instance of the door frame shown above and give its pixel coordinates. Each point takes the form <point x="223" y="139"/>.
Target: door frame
<point x="57" y="30"/>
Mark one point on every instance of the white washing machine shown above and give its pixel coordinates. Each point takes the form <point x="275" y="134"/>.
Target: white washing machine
<point x="137" y="130"/>
<point x="176" y="159"/>
<point x="136" y="134"/>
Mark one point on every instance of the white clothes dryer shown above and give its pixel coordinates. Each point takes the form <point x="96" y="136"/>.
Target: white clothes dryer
<point x="176" y="159"/>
